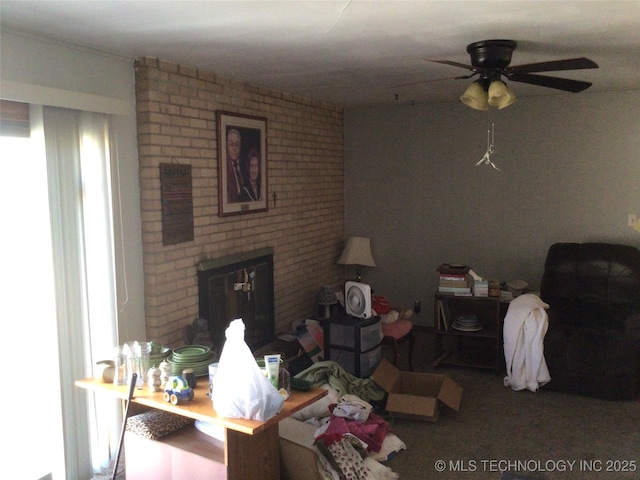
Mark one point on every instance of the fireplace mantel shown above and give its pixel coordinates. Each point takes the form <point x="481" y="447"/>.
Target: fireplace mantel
<point x="232" y="259"/>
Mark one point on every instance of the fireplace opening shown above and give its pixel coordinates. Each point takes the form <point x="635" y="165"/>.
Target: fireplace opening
<point x="238" y="286"/>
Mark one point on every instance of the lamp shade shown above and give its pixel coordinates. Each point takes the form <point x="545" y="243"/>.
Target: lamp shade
<point x="500" y="95"/>
<point x="327" y="296"/>
<point x="357" y="252"/>
<point x="475" y="97"/>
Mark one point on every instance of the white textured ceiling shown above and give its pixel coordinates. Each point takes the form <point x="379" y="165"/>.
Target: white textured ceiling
<point x="348" y="53"/>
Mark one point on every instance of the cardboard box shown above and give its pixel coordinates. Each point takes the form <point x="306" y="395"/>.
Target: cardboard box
<point x="298" y="459"/>
<point x="418" y="396"/>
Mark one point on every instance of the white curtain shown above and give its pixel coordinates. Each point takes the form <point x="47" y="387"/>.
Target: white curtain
<point x="27" y="307"/>
<point x="78" y="150"/>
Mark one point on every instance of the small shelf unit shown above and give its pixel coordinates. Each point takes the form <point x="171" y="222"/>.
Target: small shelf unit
<point x="479" y="347"/>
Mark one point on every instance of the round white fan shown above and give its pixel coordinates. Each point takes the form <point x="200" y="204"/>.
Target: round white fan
<point x="358" y="299"/>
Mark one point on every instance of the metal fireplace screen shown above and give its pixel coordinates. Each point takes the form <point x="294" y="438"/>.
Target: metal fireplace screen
<point x="239" y="286"/>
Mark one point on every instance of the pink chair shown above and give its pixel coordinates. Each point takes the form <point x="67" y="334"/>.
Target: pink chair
<point x="397" y="332"/>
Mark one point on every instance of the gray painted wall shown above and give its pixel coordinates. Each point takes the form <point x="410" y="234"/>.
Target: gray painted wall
<point x="570" y="170"/>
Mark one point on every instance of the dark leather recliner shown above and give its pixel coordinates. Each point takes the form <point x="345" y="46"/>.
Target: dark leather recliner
<point x="592" y="346"/>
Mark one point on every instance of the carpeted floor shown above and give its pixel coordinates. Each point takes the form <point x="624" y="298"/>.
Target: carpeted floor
<point x="499" y="433"/>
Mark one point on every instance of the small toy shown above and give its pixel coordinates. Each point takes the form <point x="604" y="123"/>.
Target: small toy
<point x="165" y="373"/>
<point x="177" y="390"/>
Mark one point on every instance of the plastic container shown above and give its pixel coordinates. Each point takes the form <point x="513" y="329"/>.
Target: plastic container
<point x="212" y="373"/>
<point x="138" y="359"/>
<point x="121" y="373"/>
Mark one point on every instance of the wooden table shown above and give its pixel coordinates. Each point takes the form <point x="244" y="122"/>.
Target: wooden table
<point x="252" y="448"/>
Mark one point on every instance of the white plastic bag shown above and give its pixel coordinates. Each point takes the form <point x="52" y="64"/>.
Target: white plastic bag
<point x="241" y="390"/>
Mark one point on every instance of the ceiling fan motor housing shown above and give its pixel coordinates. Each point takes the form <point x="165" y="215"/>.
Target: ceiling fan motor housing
<point x="491" y="54"/>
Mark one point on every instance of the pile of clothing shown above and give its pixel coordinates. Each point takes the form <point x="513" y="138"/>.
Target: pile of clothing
<point x="351" y="441"/>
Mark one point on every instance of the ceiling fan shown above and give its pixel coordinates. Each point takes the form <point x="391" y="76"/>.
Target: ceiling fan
<point x="490" y="61"/>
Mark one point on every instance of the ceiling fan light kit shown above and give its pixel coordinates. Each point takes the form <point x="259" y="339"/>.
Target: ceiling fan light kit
<point x="497" y="95"/>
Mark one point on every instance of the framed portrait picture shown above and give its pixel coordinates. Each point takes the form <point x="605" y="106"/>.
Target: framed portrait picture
<point x="242" y="163"/>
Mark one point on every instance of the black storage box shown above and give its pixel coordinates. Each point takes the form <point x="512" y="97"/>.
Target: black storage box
<point x="354" y="343"/>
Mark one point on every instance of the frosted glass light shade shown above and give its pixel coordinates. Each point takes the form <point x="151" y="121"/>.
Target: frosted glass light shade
<point x="475" y="97"/>
<point x="500" y="95"/>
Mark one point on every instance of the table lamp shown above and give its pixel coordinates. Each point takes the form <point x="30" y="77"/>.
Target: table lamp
<point x="357" y="252"/>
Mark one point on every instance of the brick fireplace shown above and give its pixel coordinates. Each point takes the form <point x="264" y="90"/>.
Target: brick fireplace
<point x="238" y="286"/>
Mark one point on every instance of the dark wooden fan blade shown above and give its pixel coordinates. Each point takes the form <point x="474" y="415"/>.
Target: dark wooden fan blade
<point x="550" y="82"/>
<point x="453" y="64"/>
<point x="420" y="82"/>
<point x="555" y="65"/>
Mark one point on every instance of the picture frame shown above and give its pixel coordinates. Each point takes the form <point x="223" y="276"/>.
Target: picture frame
<point x="242" y="163"/>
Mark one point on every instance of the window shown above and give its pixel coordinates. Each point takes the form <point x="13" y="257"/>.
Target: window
<point x="56" y="199"/>
<point x="28" y="307"/>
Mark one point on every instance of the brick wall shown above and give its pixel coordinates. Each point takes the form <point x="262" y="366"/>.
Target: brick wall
<point x="176" y="108"/>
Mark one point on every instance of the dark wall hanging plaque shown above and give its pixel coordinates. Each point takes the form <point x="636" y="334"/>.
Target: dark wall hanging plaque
<point x="176" y="195"/>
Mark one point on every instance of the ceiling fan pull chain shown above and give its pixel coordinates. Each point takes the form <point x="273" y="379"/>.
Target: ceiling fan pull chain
<point x="492" y="137"/>
<point x="486" y="159"/>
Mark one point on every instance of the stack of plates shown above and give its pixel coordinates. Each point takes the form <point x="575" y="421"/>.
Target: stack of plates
<point x="197" y="357"/>
<point x="467" y="323"/>
<point x="158" y="354"/>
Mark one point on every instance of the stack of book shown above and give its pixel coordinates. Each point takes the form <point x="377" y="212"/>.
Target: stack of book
<point x="454" y="279"/>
